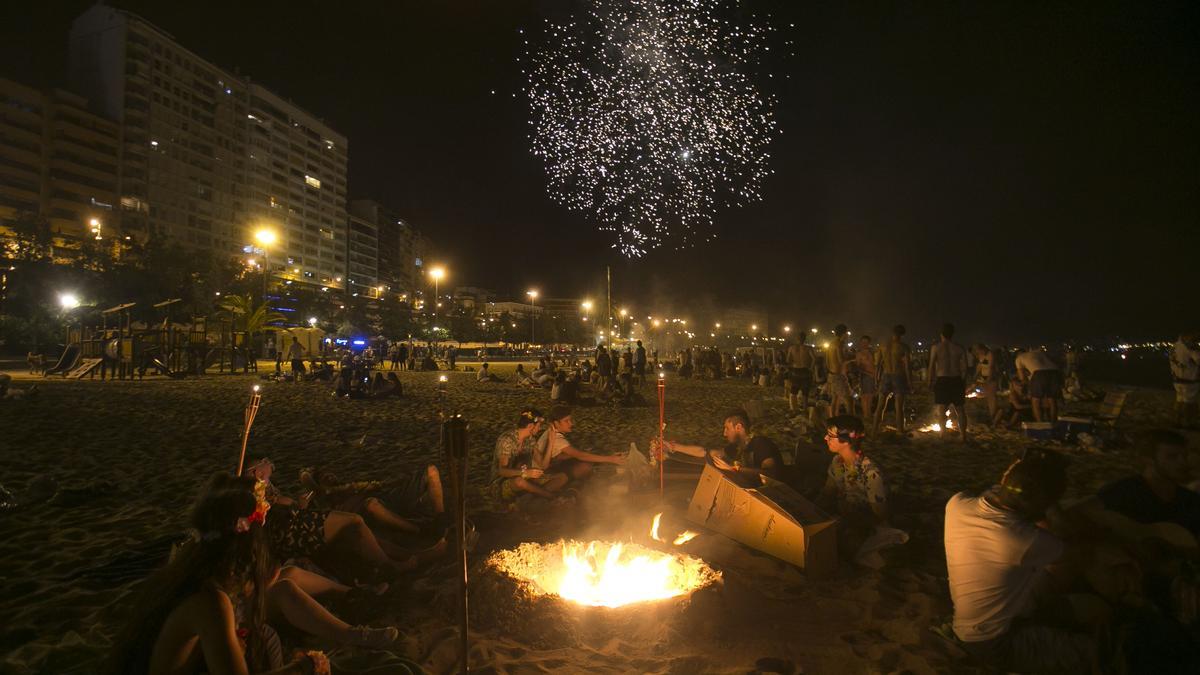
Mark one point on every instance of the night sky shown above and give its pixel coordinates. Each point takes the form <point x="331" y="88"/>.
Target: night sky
<point x="1026" y="170"/>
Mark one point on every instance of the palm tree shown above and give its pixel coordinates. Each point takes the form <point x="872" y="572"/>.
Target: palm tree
<point x="253" y="318"/>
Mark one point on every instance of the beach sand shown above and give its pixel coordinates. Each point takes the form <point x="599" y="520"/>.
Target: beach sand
<point x="103" y="474"/>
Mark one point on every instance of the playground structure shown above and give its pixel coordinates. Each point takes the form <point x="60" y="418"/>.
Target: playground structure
<point x="120" y="348"/>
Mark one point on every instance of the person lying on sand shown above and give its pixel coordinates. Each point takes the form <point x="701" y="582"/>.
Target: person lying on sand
<point x="387" y="505"/>
<point x="554" y="454"/>
<point x="854" y="485"/>
<point x="300" y="532"/>
<point x="7" y="390"/>
<point x="998" y="556"/>
<point x="512" y="473"/>
<point x="747" y="456"/>
<point x="207" y="610"/>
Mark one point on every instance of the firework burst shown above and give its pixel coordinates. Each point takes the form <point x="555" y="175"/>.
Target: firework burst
<point x="645" y="117"/>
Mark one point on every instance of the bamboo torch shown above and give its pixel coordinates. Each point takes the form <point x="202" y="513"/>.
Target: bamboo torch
<point x="251" y="411"/>
<point x="662" y="426"/>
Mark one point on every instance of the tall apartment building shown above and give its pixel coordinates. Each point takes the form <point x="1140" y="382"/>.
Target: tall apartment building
<point x="58" y="162"/>
<point x="401" y="249"/>
<point x="362" y="253"/>
<point x="207" y="156"/>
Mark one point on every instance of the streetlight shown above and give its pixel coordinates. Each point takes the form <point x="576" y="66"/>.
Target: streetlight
<point x="814" y="331"/>
<point x="265" y="237"/>
<point x="437" y="273"/>
<point x="312" y="321"/>
<point x="96" y="226"/>
<point x="68" y="301"/>
<point x="787" y="329"/>
<point x="533" y="317"/>
<point x="621" y="323"/>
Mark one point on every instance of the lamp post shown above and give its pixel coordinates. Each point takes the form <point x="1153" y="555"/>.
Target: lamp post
<point x="533" y="316"/>
<point x="587" y="310"/>
<point x="437" y="273"/>
<point x="621" y="324"/>
<point x="265" y="238"/>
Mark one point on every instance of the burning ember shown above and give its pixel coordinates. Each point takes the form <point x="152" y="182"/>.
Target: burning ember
<point x="607" y="574"/>
<point x="935" y="427"/>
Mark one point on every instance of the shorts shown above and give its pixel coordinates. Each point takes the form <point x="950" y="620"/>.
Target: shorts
<point x="949" y="391"/>
<point x="505" y="489"/>
<point x="562" y="464"/>
<point x="1030" y="647"/>
<point x="839" y="386"/>
<point x="1185" y="392"/>
<point x="1045" y="384"/>
<point x="800" y="380"/>
<point x="866" y="384"/>
<point x="404" y="496"/>
<point x="297" y="365"/>
<point x="296" y="533"/>
<point x="894" y="383"/>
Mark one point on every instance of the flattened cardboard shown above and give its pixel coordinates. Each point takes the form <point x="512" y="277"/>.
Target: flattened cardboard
<point x="773" y="518"/>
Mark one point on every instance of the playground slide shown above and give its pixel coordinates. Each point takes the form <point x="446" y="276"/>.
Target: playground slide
<point x="164" y="369"/>
<point x="66" y="362"/>
<point x="83" y="367"/>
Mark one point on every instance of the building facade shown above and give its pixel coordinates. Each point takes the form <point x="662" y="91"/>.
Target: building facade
<point x="58" y="163"/>
<point x="207" y="157"/>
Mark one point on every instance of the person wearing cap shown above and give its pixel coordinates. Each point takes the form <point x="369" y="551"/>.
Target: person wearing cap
<point x="512" y="470"/>
<point x="854" y="485"/>
<point x="747" y="457"/>
<point x="555" y="454"/>
<point x="998" y="557"/>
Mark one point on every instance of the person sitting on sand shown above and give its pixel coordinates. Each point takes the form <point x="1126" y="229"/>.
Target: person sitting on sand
<point x="1020" y="408"/>
<point x="555" y="454"/>
<point x="7" y="390"/>
<point x="522" y="378"/>
<point x="513" y="472"/>
<point x="389" y="504"/>
<point x="997" y="556"/>
<point x="854" y="485"/>
<point x="382" y="387"/>
<point x="485" y="374"/>
<point x="746" y="457"/>
<point x="300" y="532"/>
<point x="207" y="610"/>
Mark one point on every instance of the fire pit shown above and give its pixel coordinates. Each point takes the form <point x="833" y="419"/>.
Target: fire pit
<point x="604" y="574"/>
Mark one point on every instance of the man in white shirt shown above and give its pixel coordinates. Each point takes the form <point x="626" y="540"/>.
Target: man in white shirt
<point x="295" y="354"/>
<point x="1035" y="367"/>
<point x="555" y="454"/>
<point x="947" y="379"/>
<point x="1185" y="370"/>
<point x="996" y="555"/>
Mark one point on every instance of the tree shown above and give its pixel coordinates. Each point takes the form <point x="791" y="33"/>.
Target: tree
<point x="253" y="318"/>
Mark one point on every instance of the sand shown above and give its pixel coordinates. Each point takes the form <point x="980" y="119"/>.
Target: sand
<point x="104" y="472"/>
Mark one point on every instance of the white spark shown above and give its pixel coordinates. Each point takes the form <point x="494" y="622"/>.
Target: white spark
<point x="645" y="120"/>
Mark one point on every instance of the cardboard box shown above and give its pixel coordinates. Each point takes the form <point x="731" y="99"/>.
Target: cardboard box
<point x="772" y="518"/>
<point x="1038" y="431"/>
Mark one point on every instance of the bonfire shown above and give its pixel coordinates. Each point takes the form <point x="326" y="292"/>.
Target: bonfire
<point x="605" y="573"/>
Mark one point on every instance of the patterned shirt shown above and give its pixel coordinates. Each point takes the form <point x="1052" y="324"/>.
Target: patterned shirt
<point x="858" y="485"/>
<point x="508" y="448"/>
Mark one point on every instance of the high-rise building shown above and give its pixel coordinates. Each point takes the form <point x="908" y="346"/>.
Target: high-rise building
<point x="362" y="248"/>
<point x="208" y="157"/>
<point x="402" y="249"/>
<point x="58" y="162"/>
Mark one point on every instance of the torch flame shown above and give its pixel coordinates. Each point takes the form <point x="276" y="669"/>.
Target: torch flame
<point x="685" y="536"/>
<point x="654" y="528"/>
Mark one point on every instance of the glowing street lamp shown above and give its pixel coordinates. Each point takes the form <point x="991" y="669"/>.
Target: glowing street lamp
<point x="68" y="301"/>
<point x="312" y="321"/>
<point x="787" y="329"/>
<point x="814" y="331"/>
<point x="96" y="226"/>
<point x="266" y="238"/>
<point x="436" y="273"/>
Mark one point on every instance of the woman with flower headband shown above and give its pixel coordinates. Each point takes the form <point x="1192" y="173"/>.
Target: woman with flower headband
<point x="300" y="532"/>
<point x="854" y="484"/>
<point x="206" y="610"/>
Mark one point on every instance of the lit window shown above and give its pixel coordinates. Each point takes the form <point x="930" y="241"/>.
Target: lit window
<point x="312" y="182"/>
